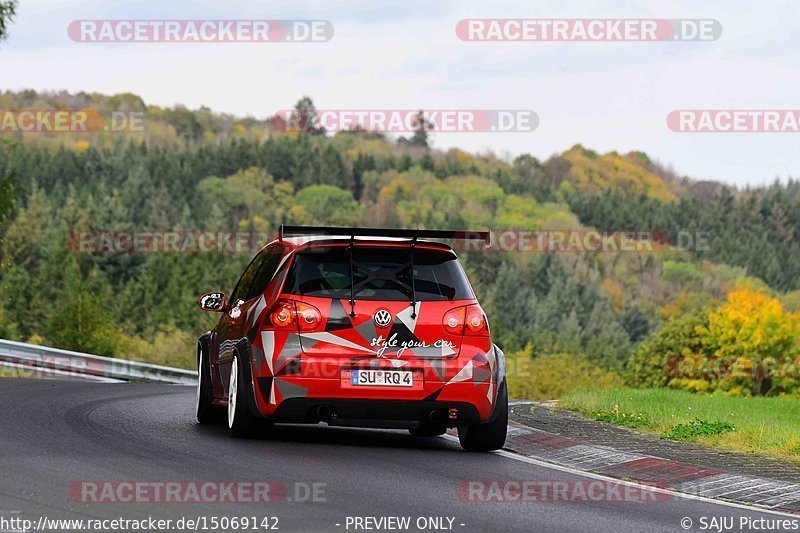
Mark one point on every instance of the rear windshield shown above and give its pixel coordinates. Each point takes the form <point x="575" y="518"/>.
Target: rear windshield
<point x="378" y="274"/>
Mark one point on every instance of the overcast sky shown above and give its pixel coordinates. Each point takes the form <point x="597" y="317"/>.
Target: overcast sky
<point x="405" y="54"/>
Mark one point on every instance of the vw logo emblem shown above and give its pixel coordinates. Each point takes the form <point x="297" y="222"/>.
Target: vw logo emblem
<point x="382" y="318"/>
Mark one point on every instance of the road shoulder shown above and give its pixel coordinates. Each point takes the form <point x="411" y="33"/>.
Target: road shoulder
<point x="566" y="438"/>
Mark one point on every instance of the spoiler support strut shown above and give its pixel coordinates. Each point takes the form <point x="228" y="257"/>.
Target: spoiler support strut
<point x="413" y="284"/>
<point x="352" y="277"/>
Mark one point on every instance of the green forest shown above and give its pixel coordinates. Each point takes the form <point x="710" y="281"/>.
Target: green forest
<point x="717" y="318"/>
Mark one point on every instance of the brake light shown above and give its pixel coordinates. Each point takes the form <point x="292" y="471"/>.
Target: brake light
<point x="292" y="315"/>
<point x="282" y="315"/>
<point x="476" y="322"/>
<point x="308" y="317"/>
<point x="467" y="320"/>
<point x="453" y="321"/>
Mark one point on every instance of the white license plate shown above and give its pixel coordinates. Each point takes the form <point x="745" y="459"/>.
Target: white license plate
<point x="382" y="378"/>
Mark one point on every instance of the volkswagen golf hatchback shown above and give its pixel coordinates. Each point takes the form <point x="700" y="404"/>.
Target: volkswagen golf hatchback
<point x="360" y="327"/>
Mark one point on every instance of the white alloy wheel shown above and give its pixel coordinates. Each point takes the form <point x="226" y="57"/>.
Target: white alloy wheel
<point x="199" y="384"/>
<point x="232" y="392"/>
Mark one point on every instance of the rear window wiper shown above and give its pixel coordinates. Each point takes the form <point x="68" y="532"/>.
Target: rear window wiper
<point x="413" y="284"/>
<point x="352" y="277"/>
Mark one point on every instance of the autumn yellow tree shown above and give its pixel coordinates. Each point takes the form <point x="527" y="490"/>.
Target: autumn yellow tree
<point x="754" y="342"/>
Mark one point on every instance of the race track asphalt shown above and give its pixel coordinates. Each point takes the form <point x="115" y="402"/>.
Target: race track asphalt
<point x="55" y="435"/>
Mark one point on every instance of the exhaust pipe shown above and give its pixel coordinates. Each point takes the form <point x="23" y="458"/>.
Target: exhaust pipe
<point x="325" y="413"/>
<point x="436" y="416"/>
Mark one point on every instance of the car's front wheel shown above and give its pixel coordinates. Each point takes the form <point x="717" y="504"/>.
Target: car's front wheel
<point x="491" y="435"/>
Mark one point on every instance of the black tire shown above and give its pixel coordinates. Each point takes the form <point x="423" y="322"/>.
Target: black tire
<point x="491" y="435"/>
<point x="429" y="430"/>
<point x="241" y="421"/>
<point x="206" y="412"/>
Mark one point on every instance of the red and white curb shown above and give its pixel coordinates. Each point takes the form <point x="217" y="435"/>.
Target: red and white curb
<point x="704" y="482"/>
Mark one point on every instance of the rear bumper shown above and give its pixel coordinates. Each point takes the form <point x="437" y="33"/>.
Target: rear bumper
<point x="285" y="398"/>
<point x="375" y="413"/>
<point x="296" y="389"/>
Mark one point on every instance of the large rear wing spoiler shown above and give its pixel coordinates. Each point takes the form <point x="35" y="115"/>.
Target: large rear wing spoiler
<point x="411" y="234"/>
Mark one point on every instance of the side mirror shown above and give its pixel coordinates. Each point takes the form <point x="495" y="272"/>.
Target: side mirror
<point x="212" y="301"/>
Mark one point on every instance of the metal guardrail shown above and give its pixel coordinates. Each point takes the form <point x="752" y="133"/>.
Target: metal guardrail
<point x="42" y="361"/>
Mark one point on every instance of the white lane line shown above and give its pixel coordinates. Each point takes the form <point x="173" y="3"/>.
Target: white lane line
<point x="639" y="486"/>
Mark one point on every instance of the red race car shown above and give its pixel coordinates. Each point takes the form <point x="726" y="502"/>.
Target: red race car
<point x="358" y="327"/>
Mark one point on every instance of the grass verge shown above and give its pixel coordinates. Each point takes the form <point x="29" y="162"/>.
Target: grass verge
<point x="6" y="372"/>
<point x="13" y="372"/>
<point x="769" y="426"/>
